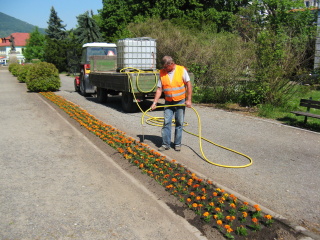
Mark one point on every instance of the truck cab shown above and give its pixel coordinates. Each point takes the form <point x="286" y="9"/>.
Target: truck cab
<point x="89" y="50"/>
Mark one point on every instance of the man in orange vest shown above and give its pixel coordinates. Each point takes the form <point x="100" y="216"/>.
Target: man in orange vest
<point x="175" y="83"/>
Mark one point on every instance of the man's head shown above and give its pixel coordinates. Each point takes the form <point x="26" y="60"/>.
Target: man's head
<point x="168" y="63"/>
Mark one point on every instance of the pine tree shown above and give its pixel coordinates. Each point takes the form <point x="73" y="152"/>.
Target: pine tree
<point x="56" y="30"/>
<point x="87" y="30"/>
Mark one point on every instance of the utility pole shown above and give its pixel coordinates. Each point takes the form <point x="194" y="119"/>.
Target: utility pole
<point x="317" y="51"/>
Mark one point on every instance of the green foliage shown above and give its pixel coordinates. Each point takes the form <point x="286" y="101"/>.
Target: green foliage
<point x="196" y="14"/>
<point x="14" y="68"/>
<point x="56" y="52"/>
<point x="43" y="77"/>
<point x="87" y="30"/>
<point x="253" y="93"/>
<point x="218" y="60"/>
<point x="23" y="72"/>
<point x="56" y="30"/>
<point x="35" y="46"/>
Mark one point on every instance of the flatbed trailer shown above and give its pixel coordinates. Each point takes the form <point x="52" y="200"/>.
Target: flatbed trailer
<point x="132" y="85"/>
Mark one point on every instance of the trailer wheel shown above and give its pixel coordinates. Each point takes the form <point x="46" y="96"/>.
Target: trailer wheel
<point x="102" y="95"/>
<point x="127" y="102"/>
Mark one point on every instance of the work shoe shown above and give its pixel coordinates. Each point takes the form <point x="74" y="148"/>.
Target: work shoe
<point x="177" y="148"/>
<point x="163" y="148"/>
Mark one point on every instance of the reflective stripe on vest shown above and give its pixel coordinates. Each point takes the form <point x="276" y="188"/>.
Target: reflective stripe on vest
<point x="175" y="90"/>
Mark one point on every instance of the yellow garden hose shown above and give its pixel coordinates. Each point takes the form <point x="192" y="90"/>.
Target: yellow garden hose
<point x="158" y="121"/>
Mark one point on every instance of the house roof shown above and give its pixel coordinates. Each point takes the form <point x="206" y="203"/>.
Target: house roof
<point x="19" y="40"/>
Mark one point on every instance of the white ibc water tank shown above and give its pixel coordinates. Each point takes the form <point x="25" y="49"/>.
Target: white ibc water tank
<point x="137" y="53"/>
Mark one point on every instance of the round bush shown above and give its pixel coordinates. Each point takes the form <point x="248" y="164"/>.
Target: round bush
<point x="22" y="72"/>
<point x="13" y="68"/>
<point x="43" y="77"/>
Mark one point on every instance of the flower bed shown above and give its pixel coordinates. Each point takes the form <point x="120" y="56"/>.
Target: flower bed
<point x="213" y="205"/>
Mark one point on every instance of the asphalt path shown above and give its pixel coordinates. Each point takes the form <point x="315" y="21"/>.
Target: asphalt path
<point x="284" y="177"/>
<point x="55" y="183"/>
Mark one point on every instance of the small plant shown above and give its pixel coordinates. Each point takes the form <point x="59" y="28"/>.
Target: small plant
<point x="242" y="231"/>
<point x="269" y="220"/>
<point x="207" y="217"/>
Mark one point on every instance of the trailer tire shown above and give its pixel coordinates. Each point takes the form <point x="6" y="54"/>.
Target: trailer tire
<point x="102" y="95"/>
<point x="128" y="105"/>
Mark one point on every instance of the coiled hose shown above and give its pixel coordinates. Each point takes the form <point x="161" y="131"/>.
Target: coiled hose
<point x="158" y="121"/>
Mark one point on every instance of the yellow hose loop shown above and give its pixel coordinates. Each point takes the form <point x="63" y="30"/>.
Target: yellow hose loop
<point x="159" y="120"/>
<point x="138" y="72"/>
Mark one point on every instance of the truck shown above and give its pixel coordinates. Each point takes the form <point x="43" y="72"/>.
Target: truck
<point x="127" y="68"/>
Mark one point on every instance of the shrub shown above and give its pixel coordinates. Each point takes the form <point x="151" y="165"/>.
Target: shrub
<point x="43" y="77"/>
<point x="13" y="68"/>
<point x="22" y="72"/>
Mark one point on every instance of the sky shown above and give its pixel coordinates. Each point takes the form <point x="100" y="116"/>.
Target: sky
<point x="37" y="12"/>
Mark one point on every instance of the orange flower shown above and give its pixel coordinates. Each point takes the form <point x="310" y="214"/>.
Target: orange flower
<point x="232" y="205"/>
<point x="215" y="194"/>
<point x="206" y="214"/>
<point x="269" y="217"/>
<point x="189" y="200"/>
<point x="219" y="222"/>
<point x="228" y="218"/>
<point x="244" y="214"/>
<point x="255" y="220"/>
<point x="217" y="209"/>
<point x="227" y="226"/>
<point x="203" y="197"/>
<point x="194" y="205"/>
<point x="211" y="204"/>
<point x="198" y="198"/>
<point x="174" y="180"/>
<point x="257" y="207"/>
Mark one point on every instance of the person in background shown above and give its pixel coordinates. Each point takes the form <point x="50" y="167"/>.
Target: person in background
<point x="175" y="83"/>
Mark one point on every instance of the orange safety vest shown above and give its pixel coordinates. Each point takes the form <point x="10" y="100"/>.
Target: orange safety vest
<point x="175" y="90"/>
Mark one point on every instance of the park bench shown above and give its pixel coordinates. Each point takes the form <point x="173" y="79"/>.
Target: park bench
<point x="308" y="103"/>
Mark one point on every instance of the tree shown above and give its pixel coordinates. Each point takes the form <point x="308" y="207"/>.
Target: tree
<point x="87" y="30"/>
<point x="285" y="33"/>
<point x="194" y="14"/>
<point x="55" y="30"/>
<point x="35" y="46"/>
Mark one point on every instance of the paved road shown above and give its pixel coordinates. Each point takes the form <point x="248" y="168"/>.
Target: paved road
<point x="284" y="177"/>
<point x="56" y="184"/>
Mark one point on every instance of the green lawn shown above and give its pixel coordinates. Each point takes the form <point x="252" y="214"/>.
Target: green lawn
<point x="283" y="113"/>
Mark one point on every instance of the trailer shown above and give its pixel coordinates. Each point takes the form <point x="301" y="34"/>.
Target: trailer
<point x="127" y="69"/>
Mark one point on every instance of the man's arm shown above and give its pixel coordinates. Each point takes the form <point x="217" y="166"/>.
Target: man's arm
<point x="156" y="98"/>
<point x="189" y="94"/>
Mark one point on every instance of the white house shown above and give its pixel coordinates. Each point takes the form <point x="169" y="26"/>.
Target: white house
<point x="13" y="45"/>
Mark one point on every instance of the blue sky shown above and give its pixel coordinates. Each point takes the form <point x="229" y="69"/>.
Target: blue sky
<point x="37" y="12"/>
